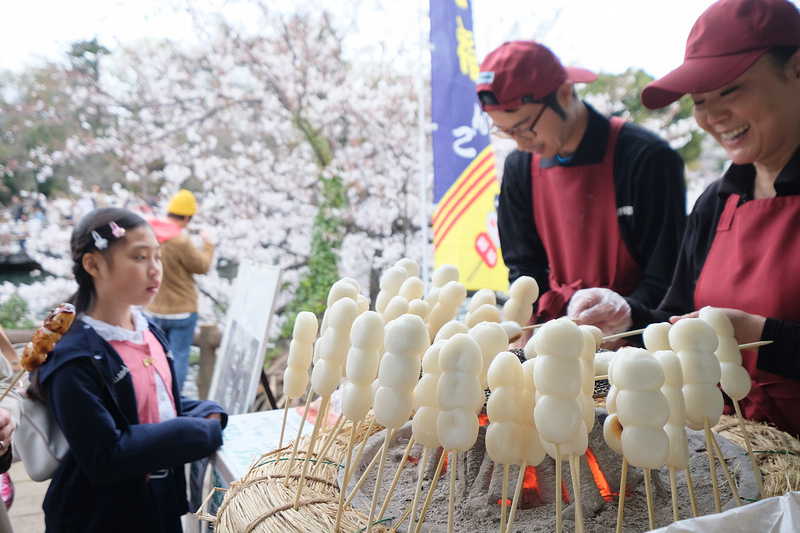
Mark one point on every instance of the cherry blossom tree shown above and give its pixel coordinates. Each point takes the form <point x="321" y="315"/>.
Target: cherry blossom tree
<point x="277" y="134"/>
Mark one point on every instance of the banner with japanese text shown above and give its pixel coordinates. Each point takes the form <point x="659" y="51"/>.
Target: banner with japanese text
<point x="465" y="185"/>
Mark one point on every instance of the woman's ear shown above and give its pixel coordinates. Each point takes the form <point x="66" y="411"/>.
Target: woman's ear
<point x="90" y="263"/>
<point x="793" y="67"/>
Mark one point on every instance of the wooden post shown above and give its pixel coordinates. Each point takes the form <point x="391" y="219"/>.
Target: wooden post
<point x="208" y="338"/>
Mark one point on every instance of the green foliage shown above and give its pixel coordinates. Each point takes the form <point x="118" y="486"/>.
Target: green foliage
<point x="85" y="57"/>
<point x="624" y="91"/>
<point x="323" y="260"/>
<point x="14" y="314"/>
<point x="43" y="107"/>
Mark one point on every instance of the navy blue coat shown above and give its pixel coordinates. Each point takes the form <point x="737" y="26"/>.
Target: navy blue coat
<point x="102" y="483"/>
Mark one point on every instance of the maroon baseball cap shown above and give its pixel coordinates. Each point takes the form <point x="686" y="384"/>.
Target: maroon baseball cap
<point x="725" y="41"/>
<point x="520" y="72"/>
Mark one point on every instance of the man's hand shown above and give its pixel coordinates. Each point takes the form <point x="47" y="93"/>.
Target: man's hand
<point x="603" y="308"/>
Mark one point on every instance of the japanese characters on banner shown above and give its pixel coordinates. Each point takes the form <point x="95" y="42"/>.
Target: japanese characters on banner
<point x="465" y="185"/>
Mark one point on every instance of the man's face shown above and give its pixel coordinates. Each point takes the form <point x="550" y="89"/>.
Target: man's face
<point x="535" y="127"/>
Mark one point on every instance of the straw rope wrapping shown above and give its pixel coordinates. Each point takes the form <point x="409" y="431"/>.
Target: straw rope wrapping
<point x="777" y="453"/>
<point x="260" y="503"/>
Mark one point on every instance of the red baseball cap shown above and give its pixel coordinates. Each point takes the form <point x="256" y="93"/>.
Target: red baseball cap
<point x="520" y="72"/>
<point x="725" y="41"/>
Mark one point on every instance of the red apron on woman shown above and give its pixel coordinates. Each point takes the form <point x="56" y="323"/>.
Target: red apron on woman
<point x="753" y="266"/>
<point x="575" y="210"/>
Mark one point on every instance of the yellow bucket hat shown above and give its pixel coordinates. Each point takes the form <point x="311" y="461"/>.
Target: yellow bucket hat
<point x="182" y="204"/>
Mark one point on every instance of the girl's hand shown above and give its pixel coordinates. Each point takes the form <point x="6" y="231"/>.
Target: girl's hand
<point x="215" y="416"/>
<point x="747" y="328"/>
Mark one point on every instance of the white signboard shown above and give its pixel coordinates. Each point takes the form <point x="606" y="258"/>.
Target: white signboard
<point x="240" y="357"/>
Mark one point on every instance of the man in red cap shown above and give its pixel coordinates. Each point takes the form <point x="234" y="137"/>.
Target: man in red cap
<point x="586" y="201"/>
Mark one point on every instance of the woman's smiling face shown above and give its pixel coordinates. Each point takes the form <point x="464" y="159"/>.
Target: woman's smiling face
<point x="756" y="117"/>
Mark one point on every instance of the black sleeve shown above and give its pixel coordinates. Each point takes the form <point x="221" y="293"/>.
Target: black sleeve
<point x="521" y="246"/>
<point x="701" y="228"/>
<point x="782" y="357"/>
<point x="5" y="461"/>
<point x="650" y="180"/>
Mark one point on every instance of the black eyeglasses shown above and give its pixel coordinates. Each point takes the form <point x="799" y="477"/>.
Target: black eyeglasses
<point x="521" y="131"/>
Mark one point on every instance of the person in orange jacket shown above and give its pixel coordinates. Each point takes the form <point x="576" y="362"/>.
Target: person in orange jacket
<point x="174" y="309"/>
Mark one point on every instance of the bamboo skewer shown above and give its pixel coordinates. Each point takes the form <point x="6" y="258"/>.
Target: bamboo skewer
<point x="741" y="347"/>
<point x="712" y="467"/>
<point x="616" y="336"/>
<point x="11" y="386"/>
<point x="369" y="468"/>
<point x="505" y="499"/>
<point x="346" y="474"/>
<point x="648" y="487"/>
<point x="751" y="345"/>
<point x="377" y="489"/>
<point x="690" y="486"/>
<point x="452" y="500"/>
<point x="361" y="449"/>
<point x="329" y="440"/>
<point x="430" y="492"/>
<point x="749" y="448"/>
<point x="283" y="426"/>
<point x="396" y="477"/>
<point x="362" y="479"/>
<point x="534" y="326"/>
<point x="574" y="468"/>
<point x="725" y="469"/>
<point x="401" y="519"/>
<point x="622" y="482"/>
<point x="350" y="446"/>
<point x="632" y="332"/>
<point x="558" y="488"/>
<point x="517" y="493"/>
<point x="413" y="505"/>
<point x="290" y="463"/>
<point x="310" y="452"/>
<point x="674" y="490"/>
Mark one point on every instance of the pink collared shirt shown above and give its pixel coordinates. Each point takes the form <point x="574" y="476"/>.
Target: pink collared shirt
<point x="150" y="373"/>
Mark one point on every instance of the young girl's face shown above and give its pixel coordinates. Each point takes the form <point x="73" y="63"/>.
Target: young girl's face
<point x="132" y="273"/>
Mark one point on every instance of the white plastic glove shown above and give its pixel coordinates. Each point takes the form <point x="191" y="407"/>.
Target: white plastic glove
<point x="603" y="308"/>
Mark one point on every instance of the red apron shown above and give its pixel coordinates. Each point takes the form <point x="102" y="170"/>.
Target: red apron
<point x="575" y="210"/>
<point x="752" y="266"/>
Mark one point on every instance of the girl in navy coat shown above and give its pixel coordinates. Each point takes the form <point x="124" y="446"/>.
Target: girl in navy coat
<point x="110" y="385"/>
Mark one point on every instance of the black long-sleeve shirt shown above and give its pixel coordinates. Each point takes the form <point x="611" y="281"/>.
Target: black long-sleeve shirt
<point x="651" y="206"/>
<point x="783" y="355"/>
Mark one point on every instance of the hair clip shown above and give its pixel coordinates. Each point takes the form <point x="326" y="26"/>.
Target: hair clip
<point x="99" y="242"/>
<point x="116" y="231"/>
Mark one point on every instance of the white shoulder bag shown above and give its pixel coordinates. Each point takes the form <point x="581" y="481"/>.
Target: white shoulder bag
<point x="39" y="441"/>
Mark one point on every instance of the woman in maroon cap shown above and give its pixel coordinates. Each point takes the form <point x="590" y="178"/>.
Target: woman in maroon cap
<point x="741" y="249"/>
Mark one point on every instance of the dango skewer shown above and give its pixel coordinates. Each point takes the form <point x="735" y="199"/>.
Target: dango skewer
<point x="325" y="377"/>
<point x="406" y="338"/>
<point x="55" y="325"/>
